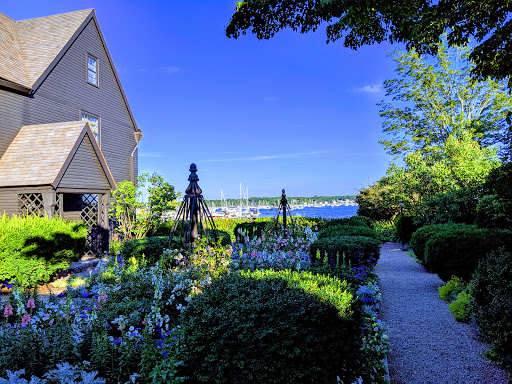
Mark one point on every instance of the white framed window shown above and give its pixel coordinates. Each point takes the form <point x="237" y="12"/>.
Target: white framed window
<point x="92" y="70"/>
<point x="94" y="123"/>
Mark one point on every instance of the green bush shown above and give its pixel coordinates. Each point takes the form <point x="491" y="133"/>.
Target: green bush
<point x="458" y="251"/>
<point x="151" y="247"/>
<point x="405" y="227"/>
<point x="32" y="249"/>
<point x="492" y="303"/>
<point x="420" y="237"/>
<point x="386" y="230"/>
<point x="358" y="250"/>
<point x="460" y="307"/>
<point x="353" y="221"/>
<point x="494" y="211"/>
<point x="273" y="327"/>
<point x="348" y="230"/>
<point x="452" y="288"/>
<point x="452" y="206"/>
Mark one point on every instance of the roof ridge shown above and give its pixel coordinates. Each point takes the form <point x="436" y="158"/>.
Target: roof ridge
<point x="3" y="14"/>
<point x="57" y="14"/>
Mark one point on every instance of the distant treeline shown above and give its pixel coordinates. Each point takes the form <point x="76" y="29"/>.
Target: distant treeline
<point x="292" y="200"/>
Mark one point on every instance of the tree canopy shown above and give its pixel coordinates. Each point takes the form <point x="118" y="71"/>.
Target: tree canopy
<point x="435" y="97"/>
<point x="417" y="23"/>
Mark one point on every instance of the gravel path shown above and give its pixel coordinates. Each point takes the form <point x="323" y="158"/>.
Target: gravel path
<point x="427" y="344"/>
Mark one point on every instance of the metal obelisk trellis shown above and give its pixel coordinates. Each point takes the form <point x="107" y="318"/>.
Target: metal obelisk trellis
<point x="194" y="218"/>
<point x="285" y="207"/>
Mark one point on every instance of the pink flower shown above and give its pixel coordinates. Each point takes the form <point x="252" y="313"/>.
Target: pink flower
<point x="31" y="303"/>
<point x="102" y="297"/>
<point x="8" y="310"/>
<point x="25" y="320"/>
<point x="144" y="322"/>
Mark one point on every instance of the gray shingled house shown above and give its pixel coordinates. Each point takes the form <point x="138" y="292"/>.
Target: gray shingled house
<point x="67" y="133"/>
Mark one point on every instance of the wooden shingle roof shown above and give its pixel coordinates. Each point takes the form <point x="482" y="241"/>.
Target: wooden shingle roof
<point x="30" y="46"/>
<point x="39" y="154"/>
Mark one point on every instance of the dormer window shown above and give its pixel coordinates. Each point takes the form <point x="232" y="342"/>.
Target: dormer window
<point x="92" y="70"/>
<point x="94" y="123"/>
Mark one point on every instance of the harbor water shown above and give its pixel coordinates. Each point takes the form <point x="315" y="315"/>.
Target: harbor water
<point x="326" y="212"/>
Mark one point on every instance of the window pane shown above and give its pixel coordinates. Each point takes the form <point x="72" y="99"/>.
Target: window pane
<point x="92" y="70"/>
<point x="94" y="124"/>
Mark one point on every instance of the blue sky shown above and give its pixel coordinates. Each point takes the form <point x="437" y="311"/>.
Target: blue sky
<point x="291" y="112"/>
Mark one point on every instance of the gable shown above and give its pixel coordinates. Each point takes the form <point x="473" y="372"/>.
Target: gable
<point x="85" y="169"/>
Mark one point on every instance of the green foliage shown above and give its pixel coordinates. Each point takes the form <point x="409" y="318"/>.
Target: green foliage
<point x="492" y="309"/>
<point x="360" y="221"/>
<point x="358" y="250"/>
<point x="495" y="208"/>
<point x="134" y="217"/>
<point x="405" y="227"/>
<point x="249" y="229"/>
<point x="151" y="247"/>
<point x="386" y="230"/>
<point x="32" y="249"/>
<point x="434" y="99"/>
<point x="420" y="237"/>
<point x="273" y="327"/>
<point x="452" y="206"/>
<point x="452" y="288"/>
<point x="348" y="230"/>
<point x="419" y="24"/>
<point x="461" y="308"/>
<point x="458" y="250"/>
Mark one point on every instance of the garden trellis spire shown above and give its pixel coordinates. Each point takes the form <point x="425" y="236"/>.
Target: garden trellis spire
<point x="194" y="218"/>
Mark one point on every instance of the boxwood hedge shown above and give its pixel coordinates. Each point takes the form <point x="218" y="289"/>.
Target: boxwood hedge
<point x="273" y="327"/>
<point x="348" y="230"/>
<point x="359" y="250"/>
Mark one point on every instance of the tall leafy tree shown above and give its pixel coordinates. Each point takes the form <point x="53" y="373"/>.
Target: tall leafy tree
<point x="434" y="98"/>
<point x="417" y="23"/>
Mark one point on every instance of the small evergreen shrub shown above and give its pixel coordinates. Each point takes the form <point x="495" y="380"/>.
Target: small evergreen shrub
<point x="273" y="327"/>
<point x="494" y="211"/>
<point x="354" y="221"/>
<point x="420" y="237"/>
<point x="32" y="249"/>
<point x="358" y="250"/>
<point x="347" y="230"/>
<point x="461" y="308"/>
<point x="405" y="227"/>
<point x="458" y="251"/>
<point x="492" y="303"/>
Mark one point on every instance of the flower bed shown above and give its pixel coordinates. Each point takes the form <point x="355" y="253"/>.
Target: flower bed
<point x="124" y="325"/>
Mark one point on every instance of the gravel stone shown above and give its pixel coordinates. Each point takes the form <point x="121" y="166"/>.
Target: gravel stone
<point x="427" y="344"/>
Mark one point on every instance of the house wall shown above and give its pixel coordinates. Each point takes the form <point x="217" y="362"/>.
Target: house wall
<point x="9" y="197"/>
<point x="65" y="93"/>
<point x="85" y="158"/>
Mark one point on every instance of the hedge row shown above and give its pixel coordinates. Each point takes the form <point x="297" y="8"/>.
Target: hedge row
<point x="348" y="230"/>
<point x="273" y="327"/>
<point x="456" y="249"/>
<point x="33" y="249"/>
<point x="358" y="250"/>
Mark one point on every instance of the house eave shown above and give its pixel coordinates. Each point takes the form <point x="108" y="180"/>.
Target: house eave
<point x="16" y="86"/>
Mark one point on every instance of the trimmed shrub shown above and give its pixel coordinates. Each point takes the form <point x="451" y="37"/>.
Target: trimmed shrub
<point x="492" y="304"/>
<point x="353" y="221"/>
<point x="273" y="327"/>
<point x="348" y="230"/>
<point x="420" y="237"/>
<point x="452" y="288"/>
<point x="32" y="249"/>
<point x="458" y="251"/>
<point x="358" y="250"/>
<point x="386" y="230"/>
<point x="494" y="211"/>
<point x="405" y="227"/>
